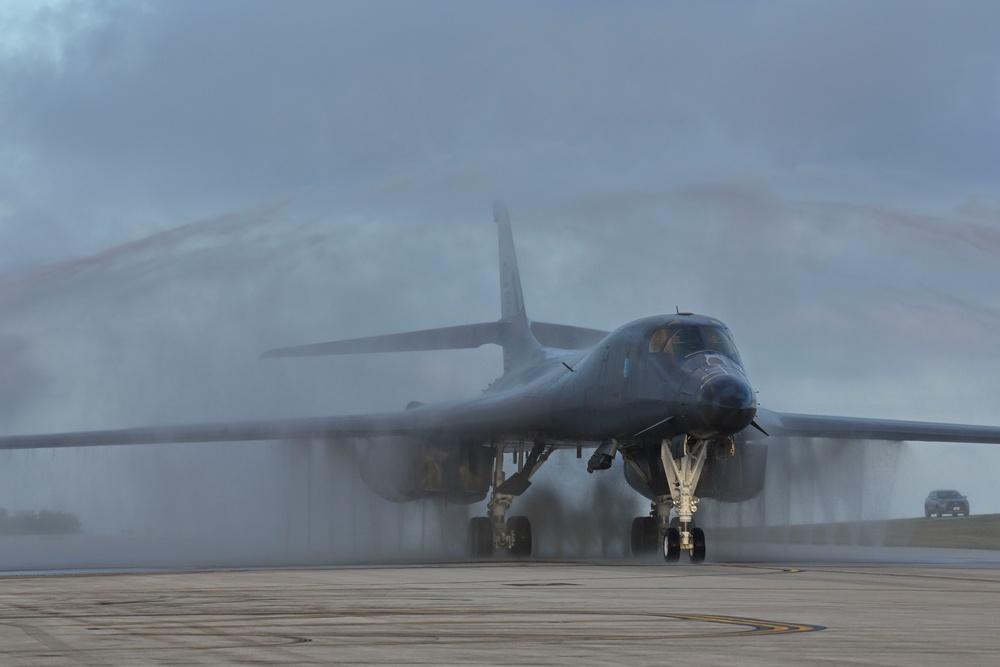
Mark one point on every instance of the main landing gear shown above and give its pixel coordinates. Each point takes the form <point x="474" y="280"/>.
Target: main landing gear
<point x="497" y="531"/>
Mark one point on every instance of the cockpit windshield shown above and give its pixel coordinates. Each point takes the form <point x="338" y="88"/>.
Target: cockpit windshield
<point x="684" y="340"/>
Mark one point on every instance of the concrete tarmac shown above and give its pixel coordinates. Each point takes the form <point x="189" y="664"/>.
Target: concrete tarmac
<point x="511" y="613"/>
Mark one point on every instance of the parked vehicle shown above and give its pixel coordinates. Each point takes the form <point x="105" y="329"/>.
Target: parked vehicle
<point x="946" y="501"/>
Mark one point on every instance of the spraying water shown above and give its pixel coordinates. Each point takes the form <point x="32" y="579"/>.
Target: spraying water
<point x="161" y="331"/>
<point x="814" y="483"/>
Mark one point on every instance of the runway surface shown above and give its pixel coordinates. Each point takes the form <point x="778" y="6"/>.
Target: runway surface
<point x="511" y="613"/>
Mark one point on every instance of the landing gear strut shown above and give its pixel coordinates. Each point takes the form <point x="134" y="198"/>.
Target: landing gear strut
<point x="683" y="459"/>
<point x="497" y="530"/>
<point x="683" y="462"/>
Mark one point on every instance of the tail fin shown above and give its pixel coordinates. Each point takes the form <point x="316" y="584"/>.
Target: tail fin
<point x="511" y="298"/>
<point x="513" y="332"/>
<point x="517" y="340"/>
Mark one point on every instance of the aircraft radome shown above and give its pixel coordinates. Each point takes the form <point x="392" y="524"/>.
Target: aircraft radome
<point x="668" y="393"/>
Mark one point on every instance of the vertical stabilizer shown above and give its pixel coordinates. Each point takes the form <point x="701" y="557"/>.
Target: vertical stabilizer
<point x="518" y="342"/>
<point x="511" y="299"/>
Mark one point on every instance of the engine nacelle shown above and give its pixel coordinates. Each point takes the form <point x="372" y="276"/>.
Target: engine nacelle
<point x="737" y="478"/>
<point x="729" y="475"/>
<point x="403" y="469"/>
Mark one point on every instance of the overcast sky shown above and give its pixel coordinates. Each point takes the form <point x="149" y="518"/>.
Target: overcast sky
<point x="824" y="177"/>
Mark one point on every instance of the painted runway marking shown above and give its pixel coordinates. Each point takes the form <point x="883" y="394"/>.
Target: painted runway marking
<point x="440" y="626"/>
<point x="547" y="625"/>
<point x="461" y="626"/>
<point x="544" y="584"/>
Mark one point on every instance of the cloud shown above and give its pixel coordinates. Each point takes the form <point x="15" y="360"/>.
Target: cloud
<point x="172" y="103"/>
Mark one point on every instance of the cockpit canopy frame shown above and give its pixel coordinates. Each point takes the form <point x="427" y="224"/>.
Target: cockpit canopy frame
<point x="681" y="340"/>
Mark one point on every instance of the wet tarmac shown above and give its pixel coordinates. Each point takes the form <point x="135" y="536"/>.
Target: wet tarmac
<point x="509" y="613"/>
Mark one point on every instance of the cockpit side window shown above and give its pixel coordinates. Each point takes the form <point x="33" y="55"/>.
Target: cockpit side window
<point x="657" y="340"/>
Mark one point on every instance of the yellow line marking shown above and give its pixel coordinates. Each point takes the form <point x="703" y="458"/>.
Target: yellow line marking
<point x="459" y="626"/>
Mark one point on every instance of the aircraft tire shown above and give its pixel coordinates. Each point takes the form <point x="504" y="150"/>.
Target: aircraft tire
<point x="480" y="537"/>
<point x="645" y="536"/>
<point x="520" y="529"/>
<point x="698" y="553"/>
<point x="672" y="545"/>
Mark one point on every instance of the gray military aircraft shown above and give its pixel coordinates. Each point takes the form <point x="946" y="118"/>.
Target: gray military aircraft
<point x="668" y="393"/>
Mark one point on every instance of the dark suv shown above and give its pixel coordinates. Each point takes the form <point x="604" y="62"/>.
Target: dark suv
<point x="946" y="501"/>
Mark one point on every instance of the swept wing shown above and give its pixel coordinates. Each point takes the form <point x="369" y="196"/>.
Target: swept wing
<point x="854" y="428"/>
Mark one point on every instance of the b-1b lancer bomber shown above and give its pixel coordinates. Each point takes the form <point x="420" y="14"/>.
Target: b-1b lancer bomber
<point x="667" y="393"/>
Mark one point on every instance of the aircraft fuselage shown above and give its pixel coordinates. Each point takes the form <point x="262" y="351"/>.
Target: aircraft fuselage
<point x="651" y="379"/>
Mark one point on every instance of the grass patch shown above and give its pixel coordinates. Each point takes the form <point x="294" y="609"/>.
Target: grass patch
<point x="974" y="532"/>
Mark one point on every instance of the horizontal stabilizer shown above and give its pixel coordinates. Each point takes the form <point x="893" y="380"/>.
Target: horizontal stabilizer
<point x="446" y="338"/>
<point x="565" y="336"/>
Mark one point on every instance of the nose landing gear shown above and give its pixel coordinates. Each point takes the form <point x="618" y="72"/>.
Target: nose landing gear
<point x="683" y="463"/>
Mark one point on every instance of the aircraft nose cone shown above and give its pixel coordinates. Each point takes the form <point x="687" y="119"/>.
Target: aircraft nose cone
<point x="726" y="404"/>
